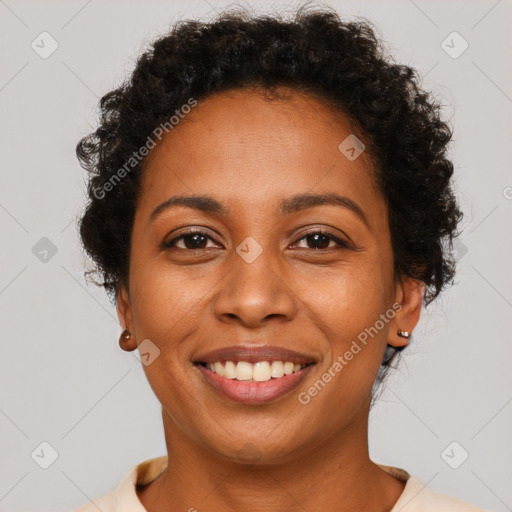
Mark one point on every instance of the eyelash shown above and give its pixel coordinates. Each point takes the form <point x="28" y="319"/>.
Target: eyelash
<point x="342" y="244"/>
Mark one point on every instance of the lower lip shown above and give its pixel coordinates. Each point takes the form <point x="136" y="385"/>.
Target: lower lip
<point x="251" y="392"/>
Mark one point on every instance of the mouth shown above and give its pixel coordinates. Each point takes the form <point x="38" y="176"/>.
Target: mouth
<point x="254" y="375"/>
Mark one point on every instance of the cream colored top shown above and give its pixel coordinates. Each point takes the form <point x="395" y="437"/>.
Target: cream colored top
<point x="414" y="498"/>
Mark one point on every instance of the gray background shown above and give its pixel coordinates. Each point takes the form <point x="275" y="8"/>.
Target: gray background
<point x="64" y="380"/>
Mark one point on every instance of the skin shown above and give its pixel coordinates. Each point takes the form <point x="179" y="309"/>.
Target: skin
<point x="251" y="153"/>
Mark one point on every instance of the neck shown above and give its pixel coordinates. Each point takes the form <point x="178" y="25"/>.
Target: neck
<point x="335" y="475"/>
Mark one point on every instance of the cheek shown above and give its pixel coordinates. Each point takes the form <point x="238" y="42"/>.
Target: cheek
<point x="163" y="293"/>
<point x="352" y="299"/>
<point x="348" y="306"/>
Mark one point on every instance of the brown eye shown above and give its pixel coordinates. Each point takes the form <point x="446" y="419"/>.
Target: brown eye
<point x="321" y="240"/>
<point x="190" y="240"/>
<point x="317" y="240"/>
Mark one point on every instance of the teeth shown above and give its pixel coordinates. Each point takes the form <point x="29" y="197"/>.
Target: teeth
<point x="230" y="370"/>
<point x="288" y="368"/>
<point x="277" y="369"/>
<point x="261" y="371"/>
<point x="219" y="369"/>
<point x="243" y="371"/>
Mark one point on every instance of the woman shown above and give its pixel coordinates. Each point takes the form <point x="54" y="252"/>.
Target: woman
<point x="269" y="207"/>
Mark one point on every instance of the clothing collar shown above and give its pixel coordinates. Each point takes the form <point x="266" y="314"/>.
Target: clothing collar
<point x="149" y="470"/>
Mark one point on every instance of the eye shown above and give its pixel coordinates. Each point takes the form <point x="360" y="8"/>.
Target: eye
<point x="191" y="240"/>
<point x="321" y="240"/>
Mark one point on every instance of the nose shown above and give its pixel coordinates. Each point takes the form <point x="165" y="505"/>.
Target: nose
<point x="253" y="293"/>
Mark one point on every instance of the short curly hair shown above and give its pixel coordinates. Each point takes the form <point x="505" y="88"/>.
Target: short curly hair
<point x="312" y="51"/>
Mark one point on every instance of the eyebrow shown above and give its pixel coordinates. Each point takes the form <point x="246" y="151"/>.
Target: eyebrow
<point x="293" y="204"/>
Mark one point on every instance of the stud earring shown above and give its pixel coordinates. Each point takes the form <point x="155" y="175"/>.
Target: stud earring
<point x="124" y="341"/>
<point x="403" y="334"/>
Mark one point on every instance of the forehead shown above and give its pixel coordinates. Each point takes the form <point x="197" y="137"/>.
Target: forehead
<point x="250" y="150"/>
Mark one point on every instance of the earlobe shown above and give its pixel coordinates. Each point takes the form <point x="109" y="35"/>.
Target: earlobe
<point x="127" y="339"/>
<point x="409" y="294"/>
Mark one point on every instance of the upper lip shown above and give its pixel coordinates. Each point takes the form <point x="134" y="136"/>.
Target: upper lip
<point x="254" y="354"/>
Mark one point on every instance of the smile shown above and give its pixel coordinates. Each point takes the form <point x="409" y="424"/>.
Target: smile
<point x="254" y="383"/>
<point x="260" y="371"/>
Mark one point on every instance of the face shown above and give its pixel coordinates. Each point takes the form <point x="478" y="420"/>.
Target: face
<point x="267" y="263"/>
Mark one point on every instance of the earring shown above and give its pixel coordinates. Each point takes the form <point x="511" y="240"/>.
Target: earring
<point x="403" y="334"/>
<point x="124" y="341"/>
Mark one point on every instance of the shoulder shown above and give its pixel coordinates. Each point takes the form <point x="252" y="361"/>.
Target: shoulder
<point x="110" y="502"/>
<point x="106" y="503"/>
<point x="417" y="497"/>
<point x="124" y="496"/>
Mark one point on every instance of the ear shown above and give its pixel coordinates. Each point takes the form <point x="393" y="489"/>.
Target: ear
<point x="125" y="314"/>
<point x="409" y="296"/>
